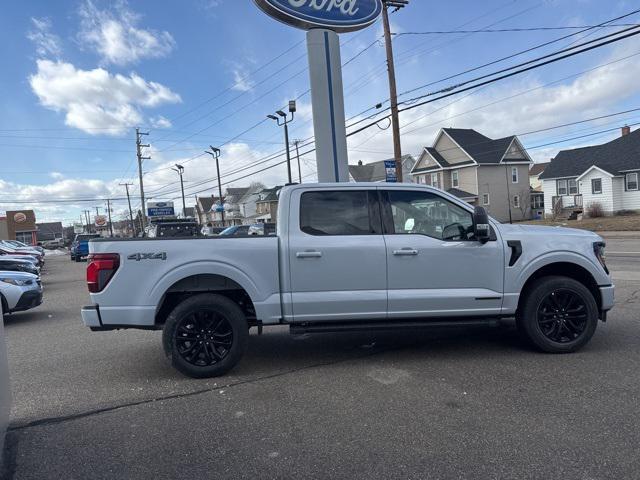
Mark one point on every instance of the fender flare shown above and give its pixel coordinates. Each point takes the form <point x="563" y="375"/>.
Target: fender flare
<point x="555" y="257"/>
<point x="202" y="267"/>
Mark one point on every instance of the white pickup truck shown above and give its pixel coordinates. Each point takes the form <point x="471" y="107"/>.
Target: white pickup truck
<point x="351" y="257"/>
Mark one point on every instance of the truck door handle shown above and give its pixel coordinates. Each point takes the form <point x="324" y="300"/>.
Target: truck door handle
<point x="309" y="254"/>
<point x="405" y="251"/>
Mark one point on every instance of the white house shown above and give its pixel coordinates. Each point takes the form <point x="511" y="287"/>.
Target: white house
<point x="606" y="174"/>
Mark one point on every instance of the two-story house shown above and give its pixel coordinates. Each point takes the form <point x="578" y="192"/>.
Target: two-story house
<point x="480" y="170"/>
<point x="606" y="174"/>
<point x="267" y="205"/>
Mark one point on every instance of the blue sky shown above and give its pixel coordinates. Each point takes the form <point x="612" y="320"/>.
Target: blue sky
<point x="78" y="76"/>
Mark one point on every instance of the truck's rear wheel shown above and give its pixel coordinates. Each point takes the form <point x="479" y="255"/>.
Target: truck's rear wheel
<point x="205" y="336"/>
<point x="558" y="315"/>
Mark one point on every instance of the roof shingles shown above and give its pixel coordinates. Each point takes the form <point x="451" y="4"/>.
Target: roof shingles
<point x="613" y="157"/>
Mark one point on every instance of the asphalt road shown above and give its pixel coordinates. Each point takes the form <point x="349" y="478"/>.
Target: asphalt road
<point x="456" y="404"/>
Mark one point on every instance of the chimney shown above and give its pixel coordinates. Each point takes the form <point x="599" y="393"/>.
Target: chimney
<point x="626" y="130"/>
<point x="359" y="163"/>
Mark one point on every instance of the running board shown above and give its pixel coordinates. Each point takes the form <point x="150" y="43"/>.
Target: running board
<point x="329" y="327"/>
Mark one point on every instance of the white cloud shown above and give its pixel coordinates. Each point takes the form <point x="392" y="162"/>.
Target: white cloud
<point x="47" y="43"/>
<point x="56" y="175"/>
<point x="114" y="33"/>
<point x="500" y="111"/>
<point x="160" y="122"/>
<point x="241" y="82"/>
<point x="96" y="99"/>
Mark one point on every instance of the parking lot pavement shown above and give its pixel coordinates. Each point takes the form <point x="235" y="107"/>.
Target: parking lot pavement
<point x="454" y="404"/>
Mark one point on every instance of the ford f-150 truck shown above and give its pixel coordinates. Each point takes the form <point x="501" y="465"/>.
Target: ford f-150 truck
<point x="351" y="257"/>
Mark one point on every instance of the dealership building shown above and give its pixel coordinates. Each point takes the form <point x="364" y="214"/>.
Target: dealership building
<point x="19" y="225"/>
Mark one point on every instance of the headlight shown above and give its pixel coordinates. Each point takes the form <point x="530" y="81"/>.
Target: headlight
<point x="17" y="282"/>
<point x="598" y="249"/>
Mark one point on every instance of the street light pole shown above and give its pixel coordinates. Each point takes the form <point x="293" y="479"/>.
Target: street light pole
<point x="180" y="170"/>
<point x="215" y="153"/>
<point x="282" y="120"/>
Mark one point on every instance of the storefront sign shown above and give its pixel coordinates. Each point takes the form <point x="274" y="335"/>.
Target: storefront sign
<point x="337" y="15"/>
<point x="160" y="209"/>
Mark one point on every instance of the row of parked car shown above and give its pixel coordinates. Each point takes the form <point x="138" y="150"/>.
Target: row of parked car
<point x="20" y="283"/>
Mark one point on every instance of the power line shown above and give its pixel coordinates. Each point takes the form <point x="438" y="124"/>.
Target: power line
<point x="521" y="29"/>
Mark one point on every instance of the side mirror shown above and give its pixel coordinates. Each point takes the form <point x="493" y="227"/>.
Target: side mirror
<point x="481" y="227"/>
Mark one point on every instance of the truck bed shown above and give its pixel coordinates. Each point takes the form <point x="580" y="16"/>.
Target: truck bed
<point x="151" y="267"/>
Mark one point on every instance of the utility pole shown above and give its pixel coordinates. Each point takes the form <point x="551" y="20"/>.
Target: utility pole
<point x="133" y="228"/>
<point x="393" y="91"/>
<point x="180" y="170"/>
<point x="215" y="153"/>
<point x="139" y="147"/>
<point x="506" y="174"/>
<point x="109" y="215"/>
<point x="87" y="218"/>
<point x="297" y="144"/>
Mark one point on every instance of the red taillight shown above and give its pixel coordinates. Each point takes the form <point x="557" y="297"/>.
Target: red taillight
<point x="100" y="270"/>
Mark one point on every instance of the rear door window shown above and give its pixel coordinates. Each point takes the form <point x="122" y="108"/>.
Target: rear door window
<point x="339" y="213"/>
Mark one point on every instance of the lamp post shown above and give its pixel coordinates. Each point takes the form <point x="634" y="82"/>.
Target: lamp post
<point x="283" y="120"/>
<point x="215" y="153"/>
<point x="180" y="170"/>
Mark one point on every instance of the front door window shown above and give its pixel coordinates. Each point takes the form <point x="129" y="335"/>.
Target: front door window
<point x="425" y="213"/>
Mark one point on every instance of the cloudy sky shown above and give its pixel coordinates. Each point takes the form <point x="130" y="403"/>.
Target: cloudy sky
<point x="79" y="76"/>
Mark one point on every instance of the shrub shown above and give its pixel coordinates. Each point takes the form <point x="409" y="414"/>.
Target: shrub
<point x="624" y="213"/>
<point x="595" y="210"/>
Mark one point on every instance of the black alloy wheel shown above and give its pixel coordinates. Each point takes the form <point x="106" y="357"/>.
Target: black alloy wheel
<point x="562" y="316"/>
<point x="205" y="335"/>
<point x="557" y="314"/>
<point x="203" y="338"/>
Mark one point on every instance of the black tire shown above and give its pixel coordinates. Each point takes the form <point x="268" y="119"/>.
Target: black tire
<point x="558" y="315"/>
<point x="73" y="259"/>
<point x="205" y="336"/>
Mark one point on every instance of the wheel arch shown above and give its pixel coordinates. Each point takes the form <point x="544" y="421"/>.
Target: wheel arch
<point x="568" y="269"/>
<point x="204" y="283"/>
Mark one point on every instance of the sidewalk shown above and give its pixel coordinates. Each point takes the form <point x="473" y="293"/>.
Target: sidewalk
<point x="625" y="235"/>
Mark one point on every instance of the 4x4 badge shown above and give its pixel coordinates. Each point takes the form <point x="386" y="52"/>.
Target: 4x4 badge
<point x="147" y="256"/>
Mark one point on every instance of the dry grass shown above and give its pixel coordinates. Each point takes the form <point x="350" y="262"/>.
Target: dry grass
<point x="623" y="223"/>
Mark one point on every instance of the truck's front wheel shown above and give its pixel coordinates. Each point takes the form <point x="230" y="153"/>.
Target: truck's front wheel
<point x="205" y="336"/>
<point x="558" y="315"/>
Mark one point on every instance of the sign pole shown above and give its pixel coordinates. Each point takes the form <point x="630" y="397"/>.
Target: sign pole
<point x="327" y="96"/>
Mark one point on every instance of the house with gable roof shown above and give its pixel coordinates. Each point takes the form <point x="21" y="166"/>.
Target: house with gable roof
<point x="492" y="173"/>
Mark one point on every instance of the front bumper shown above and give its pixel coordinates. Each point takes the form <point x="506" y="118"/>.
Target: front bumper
<point x="28" y="300"/>
<point x="608" y="297"/>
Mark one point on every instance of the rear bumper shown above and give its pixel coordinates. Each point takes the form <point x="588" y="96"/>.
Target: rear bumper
<point x="608" y="297"/>
<point x="91" y="317"/>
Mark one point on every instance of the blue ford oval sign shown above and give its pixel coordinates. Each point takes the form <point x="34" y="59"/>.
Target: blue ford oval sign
<point x="337" y="15"/>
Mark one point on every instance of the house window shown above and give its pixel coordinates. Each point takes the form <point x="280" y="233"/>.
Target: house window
<point x="514" y="174"/>
<point x="632" y="181"/>
<point x="596" y="186"/>
<point x="516" y="201"/>
<point x="434" y="180"/>
<point x="485" y="199"/>
<point x="573" y="186"/>
<point x="561" y="187"/>
<point x="455" y="181"/>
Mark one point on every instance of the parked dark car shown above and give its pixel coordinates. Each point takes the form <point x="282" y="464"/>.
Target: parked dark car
<point x="262" y="229"/>
<point x="15" y="265"/>
<point x="235" y="231"/>
<point x="173" y="229"/>
<point x="80" y="245"/>
<point x="27" y="254"/>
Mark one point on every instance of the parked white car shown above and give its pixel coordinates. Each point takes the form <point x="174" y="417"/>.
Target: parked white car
<point x="19" y="291"/>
